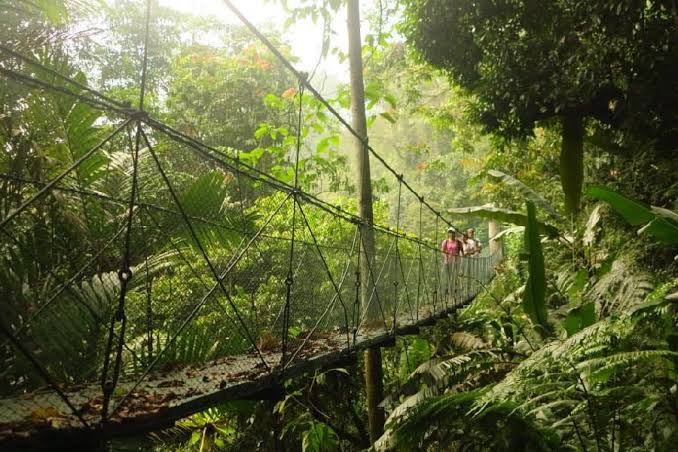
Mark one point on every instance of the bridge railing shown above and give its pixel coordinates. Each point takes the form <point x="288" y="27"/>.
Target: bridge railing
<point x="142" y="268"/>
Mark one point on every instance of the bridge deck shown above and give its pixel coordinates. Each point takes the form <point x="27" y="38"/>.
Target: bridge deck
<point x="171" y="394"/>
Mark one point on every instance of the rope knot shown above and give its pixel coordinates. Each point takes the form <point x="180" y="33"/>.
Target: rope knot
<point x="137" y="115"/>
<point x="125" y="274"/>
<point x="120" y="314"/>
<point x="289" y="281"/>
<point x="108" y="386"/>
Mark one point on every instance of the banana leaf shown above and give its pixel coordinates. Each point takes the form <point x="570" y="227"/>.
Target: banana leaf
<point x="656" y="221"/>
<point x="504" y="215"/>
<point x="528" y="194"/>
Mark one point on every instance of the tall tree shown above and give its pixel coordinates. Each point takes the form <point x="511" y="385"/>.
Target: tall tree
<point x="373" y="367"/>
<point x="529" y="61"/>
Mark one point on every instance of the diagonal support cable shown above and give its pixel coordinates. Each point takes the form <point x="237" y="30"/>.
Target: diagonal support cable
<point x="43" y="372"/>
<point x="375" y="292"/>
<point x="328" y="271"/>
<point x="199" y="306"/>
<point x="201" y="248"/>
<point x="186" y="261"/>
<point x="38" y="65"/>
<point x="330" y="305"/>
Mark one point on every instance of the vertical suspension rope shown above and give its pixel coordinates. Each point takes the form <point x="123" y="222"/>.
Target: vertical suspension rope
<point x="109" y="382"/>
<point x="149" y="313"/>
<point x="289" y="280"/>
<point x="397" y="262"/>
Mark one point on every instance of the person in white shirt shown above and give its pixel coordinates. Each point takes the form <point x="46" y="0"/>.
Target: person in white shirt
<point x="473" y="245"/>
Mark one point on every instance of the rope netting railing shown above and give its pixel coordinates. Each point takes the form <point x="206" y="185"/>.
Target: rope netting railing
<point x="148" y="271"/>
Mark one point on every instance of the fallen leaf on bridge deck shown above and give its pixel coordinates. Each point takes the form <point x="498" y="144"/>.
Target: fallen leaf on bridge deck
<point x="170" y="384"/>
<point x="43" y="414"/>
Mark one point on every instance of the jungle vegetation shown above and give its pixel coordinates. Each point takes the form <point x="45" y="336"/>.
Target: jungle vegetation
<point x="559" y="119"/>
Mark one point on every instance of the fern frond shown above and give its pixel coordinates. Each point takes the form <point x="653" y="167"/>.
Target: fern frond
<point x="621" y="288"/>
<point x="467" y="341"/>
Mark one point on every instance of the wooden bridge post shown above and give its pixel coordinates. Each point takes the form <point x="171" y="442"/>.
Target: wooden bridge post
<point x="373" y="366"/>
<point x="493" y="228"/>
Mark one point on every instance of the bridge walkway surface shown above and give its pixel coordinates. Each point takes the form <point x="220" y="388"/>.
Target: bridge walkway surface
<point x="174" y="392"/>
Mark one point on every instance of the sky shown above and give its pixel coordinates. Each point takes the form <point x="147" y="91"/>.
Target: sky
<point x="305" y="37"/>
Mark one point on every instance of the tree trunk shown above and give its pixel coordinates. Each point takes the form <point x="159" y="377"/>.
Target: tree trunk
<point x="363" y="181"/>
<point x="373" y="369"/>
<point x="572" y="160"/>
<point x="374" y="389"/>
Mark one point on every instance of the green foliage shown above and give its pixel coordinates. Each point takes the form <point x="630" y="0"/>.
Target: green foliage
<point x="604" y="377"/>
<point x="528" y="194"/>
<point x="658" y="222"/>
<point x="210" y="88"/>
<point x="619" y="286"/>
<point x="528" y="61"/>
<point x="579" y="318"/>
<point x="319" y="438"/>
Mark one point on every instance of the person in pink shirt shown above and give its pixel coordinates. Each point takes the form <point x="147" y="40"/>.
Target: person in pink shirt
<point x="451" y="247"/>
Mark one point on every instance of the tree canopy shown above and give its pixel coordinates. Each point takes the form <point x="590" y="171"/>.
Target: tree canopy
<point x="530" y="61"/>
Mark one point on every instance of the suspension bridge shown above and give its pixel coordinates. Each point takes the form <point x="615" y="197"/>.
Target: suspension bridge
<point x="198" y="287"/>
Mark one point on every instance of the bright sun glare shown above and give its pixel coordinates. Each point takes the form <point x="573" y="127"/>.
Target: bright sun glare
<point x="305" y="37"/>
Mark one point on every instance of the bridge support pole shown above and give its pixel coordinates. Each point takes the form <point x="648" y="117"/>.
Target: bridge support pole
<point x="373" y="367"/>
<point x="493" y="228"/>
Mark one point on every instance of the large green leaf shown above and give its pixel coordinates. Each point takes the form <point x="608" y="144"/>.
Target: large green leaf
<point x="206" y="196"/>
<point x="319" y="437"/>
<point x="205" y="201"/>
<point x="508" y="231"/>
<point x="658" y="222"/>
<point x="534" y="296"/>
<point x="55" y="11"/>
<point x="527" y="193"/>
<point x="579" y="318"/>
<point x="504" y="215"/>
